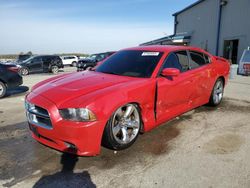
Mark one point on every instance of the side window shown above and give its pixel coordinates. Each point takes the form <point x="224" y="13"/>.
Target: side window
<point x="172" y="62"/>
<point x="183" y="59"/>
<point x="36" y="60"/>
<point x="178" y="60"/>
<point x="196" y="59"/>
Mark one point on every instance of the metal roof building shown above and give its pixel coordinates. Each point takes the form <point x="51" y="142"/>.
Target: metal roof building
<point x="221" y="27"/>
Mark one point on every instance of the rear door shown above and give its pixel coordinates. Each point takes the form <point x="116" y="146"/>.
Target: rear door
<point x="173" y="93"/>
<point x="200" y="69"/>
<point x="66" y="60"/>
<point x="46" y="63"/>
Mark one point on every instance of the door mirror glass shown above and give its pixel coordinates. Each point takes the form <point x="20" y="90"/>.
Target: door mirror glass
<point x="170" y="72"/>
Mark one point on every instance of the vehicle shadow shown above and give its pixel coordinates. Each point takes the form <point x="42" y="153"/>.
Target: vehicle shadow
<point x="66" y="177"/>
<point x="17" y="91"/>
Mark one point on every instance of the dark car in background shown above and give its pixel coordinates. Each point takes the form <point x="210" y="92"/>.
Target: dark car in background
<point x="92" y="60"/>
<point x="41" y="63"/>
<point x="9" y="78"/>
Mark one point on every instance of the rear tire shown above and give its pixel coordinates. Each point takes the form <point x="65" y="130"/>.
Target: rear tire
<point x="3" y="89"/>
<point x="54" y="69"/>
<point x="217" y="93"/>
<point x="123" y="128"/>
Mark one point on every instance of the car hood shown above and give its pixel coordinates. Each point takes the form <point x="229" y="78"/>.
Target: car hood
<point x="65" y="88"/>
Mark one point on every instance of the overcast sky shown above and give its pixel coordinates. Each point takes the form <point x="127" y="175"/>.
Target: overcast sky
<point x="84" y="26"/>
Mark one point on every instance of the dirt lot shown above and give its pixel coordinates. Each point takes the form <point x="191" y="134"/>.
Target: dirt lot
<point x="206" y="147"/>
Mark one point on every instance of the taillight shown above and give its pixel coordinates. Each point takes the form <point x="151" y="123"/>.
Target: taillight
<point x="13" y="69"/>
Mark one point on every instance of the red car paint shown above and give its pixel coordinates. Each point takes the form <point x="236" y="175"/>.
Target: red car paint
<point x="104" y="93"/>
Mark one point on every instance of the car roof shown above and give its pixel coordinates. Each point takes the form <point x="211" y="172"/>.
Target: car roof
<point x="164" y="48"/>
<point x="46" y="56"/>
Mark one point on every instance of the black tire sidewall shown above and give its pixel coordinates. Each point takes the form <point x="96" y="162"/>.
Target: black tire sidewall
<point x="4" y="90"/>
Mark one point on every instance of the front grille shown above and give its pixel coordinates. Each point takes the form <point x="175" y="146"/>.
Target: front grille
<point x="38" y="116"/>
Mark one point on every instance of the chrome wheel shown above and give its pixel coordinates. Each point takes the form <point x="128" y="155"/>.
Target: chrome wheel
<point x="24" y="71"/>
<point x="126" y="124"/>
<point x="218" y="92"/>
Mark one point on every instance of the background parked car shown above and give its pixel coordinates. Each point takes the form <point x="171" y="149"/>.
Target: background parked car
<point x="45" y="63"/>
<point x="9" y="78"/>
<point x="70" y="60"/>
<point x="92" y="60"/>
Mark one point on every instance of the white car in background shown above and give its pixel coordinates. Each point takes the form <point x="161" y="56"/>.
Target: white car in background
<point x="69" y="60"/>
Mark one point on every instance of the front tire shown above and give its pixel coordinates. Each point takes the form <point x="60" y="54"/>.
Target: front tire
<point x="3" y="89"/>
<point x="24" y="71"/>
<point x="54" y="69"/>
<point x="122" y="128"/>
<point x="217" y="93"/>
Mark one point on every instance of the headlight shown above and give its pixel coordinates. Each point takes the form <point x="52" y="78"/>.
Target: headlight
<point x="29" y="106"/>
<point x="77" y="114"/>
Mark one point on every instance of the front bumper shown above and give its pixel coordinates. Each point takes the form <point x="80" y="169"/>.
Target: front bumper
<point x="80" y="138"/>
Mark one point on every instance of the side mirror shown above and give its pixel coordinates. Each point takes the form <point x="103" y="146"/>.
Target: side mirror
<point x="170" y="72"/>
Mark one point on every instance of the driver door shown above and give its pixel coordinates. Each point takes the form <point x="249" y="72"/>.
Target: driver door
<point x="36" y="65"/>
<point x="174" y="93"/>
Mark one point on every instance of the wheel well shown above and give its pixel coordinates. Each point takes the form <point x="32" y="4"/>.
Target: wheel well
<point x="140" y="110"/>
<point x="3" y="82"/>
<point x="25" y="68"/>
<point x="223" y="79"/>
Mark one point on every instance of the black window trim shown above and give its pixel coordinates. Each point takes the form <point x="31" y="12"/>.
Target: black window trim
<point x="161" y="68"/>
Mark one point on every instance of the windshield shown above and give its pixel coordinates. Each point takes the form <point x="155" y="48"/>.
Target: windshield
<point x="131" y="63"/>
<point x="27" y="60"/>
<point x="92" y="57"/>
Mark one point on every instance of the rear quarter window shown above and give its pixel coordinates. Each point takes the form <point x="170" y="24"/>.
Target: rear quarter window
<point x="197" y="59"/>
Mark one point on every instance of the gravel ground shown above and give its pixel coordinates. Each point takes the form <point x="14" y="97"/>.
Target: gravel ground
<point x="207" y="147"/>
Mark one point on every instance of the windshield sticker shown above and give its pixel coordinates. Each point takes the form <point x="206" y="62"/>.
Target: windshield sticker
<point x="150" y="53"/>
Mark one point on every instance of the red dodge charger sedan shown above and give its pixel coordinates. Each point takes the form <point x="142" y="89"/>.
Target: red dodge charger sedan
<point x="133" y="91"/>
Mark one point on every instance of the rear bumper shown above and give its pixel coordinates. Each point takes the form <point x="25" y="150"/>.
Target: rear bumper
<point x="14" y="81"/>
<point x="84" y="136"/>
